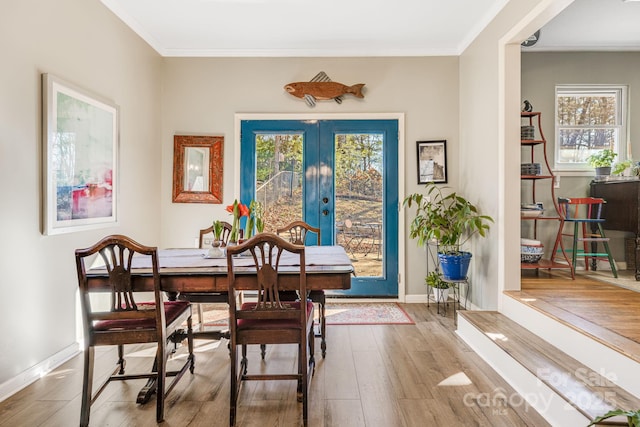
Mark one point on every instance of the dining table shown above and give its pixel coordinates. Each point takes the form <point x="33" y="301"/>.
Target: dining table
<point x="192" y="270"/>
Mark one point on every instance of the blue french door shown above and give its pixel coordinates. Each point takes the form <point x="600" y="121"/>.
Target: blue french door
<point x="338" y="175"/>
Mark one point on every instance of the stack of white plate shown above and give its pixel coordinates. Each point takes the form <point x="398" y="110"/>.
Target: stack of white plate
<point x="531" y="250"/>
<point x="531" y="210"/>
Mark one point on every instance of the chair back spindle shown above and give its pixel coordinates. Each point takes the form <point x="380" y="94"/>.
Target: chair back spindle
<point x="118" y="265"/>
<point x="297" y="232"/>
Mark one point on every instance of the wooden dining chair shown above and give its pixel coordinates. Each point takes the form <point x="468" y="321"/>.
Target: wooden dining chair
<point x="200" y="298"/>
<point x="297" y="233"/>
<point x="129" y="322"/>
<point x="268" y="320"/>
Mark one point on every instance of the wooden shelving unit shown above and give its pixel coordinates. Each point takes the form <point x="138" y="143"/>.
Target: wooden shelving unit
<point x="535" y="119"/>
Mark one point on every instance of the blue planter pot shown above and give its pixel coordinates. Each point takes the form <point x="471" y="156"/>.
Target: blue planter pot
<point x="455" y="267"/>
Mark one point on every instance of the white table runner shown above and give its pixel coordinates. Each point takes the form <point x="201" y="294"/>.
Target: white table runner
<point x="195" y="258"/>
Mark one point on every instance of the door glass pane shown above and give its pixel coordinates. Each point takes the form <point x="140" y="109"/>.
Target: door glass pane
<point x="343" y="172"/>
<point x="358" y="200"/>
<point x="279" y="178"/>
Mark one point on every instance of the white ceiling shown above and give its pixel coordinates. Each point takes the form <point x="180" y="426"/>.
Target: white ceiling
<point x="592" y="25"/>
<point x="223" y="28"/>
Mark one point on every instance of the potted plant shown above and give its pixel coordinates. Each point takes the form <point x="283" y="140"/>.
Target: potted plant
<point x="633" y="417"/>
<point x="216" y="246"/>
<point x="625" y="168"/>
<point x="218" y="227"/>
<point x="450" y="220"/>
<point x="602" y="161"/>
<point x="440" y="287"/>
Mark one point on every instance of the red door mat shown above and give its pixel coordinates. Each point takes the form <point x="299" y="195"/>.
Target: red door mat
<point x="381" y="313"/>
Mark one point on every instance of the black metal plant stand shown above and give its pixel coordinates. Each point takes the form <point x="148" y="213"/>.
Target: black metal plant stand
<point x="457" y="287"/>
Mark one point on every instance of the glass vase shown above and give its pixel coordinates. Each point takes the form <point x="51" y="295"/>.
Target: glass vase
<point x="216" y="251"/>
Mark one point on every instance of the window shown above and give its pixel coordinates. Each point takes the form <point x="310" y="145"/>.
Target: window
<point x="589" y="119"/>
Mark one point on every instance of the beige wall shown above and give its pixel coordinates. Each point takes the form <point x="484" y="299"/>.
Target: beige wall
<point x="202" y="96"/>
<point x="482" y="163"/>
<point x="457" y="99"/>
<point x="541" y="72"/>
<point x="81" y="42"/>
<point x="489" y="131"/>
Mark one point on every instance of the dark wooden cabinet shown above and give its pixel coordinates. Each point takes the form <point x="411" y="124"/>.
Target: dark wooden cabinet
<point x="621" y="212"/>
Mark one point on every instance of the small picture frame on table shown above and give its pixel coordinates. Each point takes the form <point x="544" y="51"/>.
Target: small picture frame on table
<point x="432" y="161"/>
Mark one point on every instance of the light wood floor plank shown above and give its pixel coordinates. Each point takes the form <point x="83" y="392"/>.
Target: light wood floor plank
<point x="344" y="412"/>
<point x="34" y="413"/>
<point x="402" y="371"/>
<point x="379" y="404"/>
<point x="373" y="375"/>
<point x="340" y="365"/>
<point x="428" y="412"/>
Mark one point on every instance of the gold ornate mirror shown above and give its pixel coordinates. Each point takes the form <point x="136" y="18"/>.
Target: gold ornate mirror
<point x="197" y="169"/>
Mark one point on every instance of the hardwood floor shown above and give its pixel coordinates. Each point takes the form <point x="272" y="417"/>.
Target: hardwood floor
<point x="373" y="375"/>
<point x="606" y="312"/>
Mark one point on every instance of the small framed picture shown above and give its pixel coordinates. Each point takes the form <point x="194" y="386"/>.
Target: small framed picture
<point x="432" y="161"/>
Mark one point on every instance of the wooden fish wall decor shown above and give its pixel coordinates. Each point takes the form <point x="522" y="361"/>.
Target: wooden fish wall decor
<point x="321" y="87"/>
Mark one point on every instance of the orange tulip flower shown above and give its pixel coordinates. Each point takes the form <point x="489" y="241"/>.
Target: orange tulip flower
<point x="244" y="210"/>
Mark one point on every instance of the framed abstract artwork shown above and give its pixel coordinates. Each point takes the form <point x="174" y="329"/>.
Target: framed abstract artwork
<point x="80" y="158"/>
<point x="432" y="161"/>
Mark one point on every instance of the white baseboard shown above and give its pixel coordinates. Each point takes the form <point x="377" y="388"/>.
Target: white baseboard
<point x="415" y="298"/>
<point x="17" y="383"/>
<point x="422" y="299"/>
<point x="359" y="300"/>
